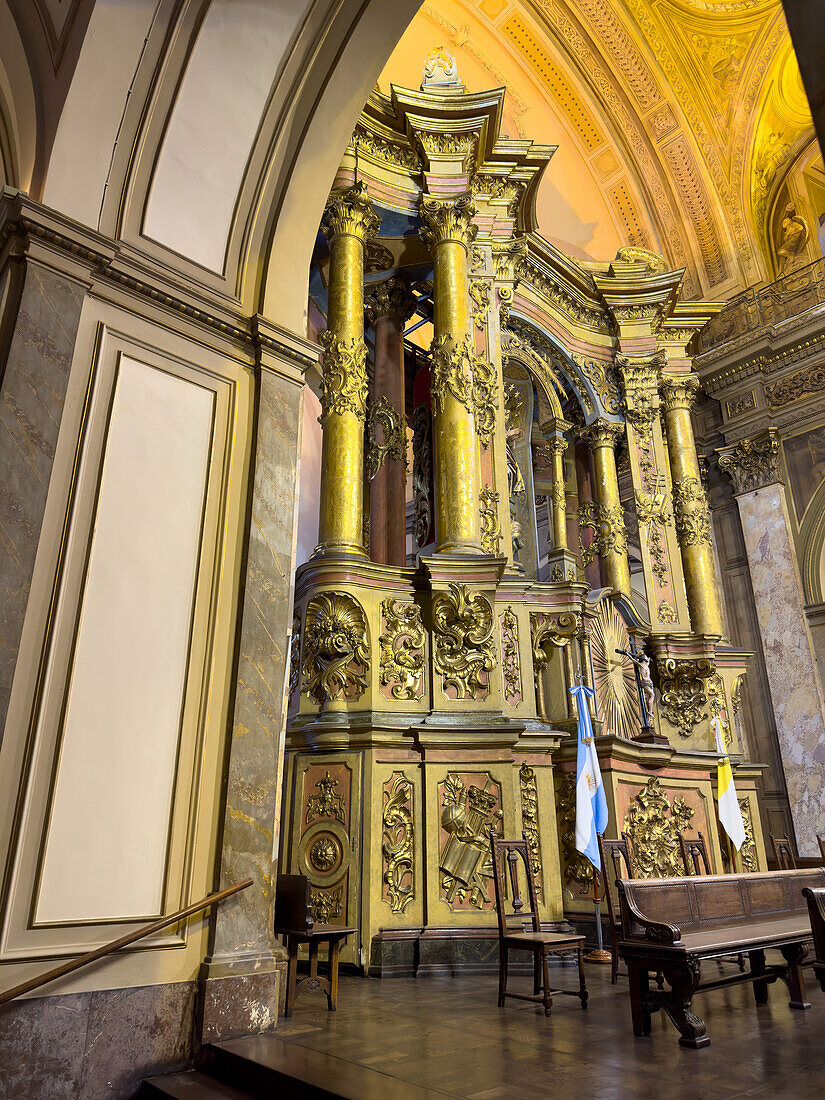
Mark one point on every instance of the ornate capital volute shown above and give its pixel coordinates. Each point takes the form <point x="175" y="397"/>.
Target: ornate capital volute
<point x="349" y="212"/>
<point x="446" y="220"/>
<point x="392" y="299"/>
<point x="752" y="463"/>
<point x="679" y="391"/>
<point x="602" y="433"/>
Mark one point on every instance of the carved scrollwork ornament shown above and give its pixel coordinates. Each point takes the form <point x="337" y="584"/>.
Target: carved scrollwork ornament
<point x="602" y="378"/>
<point x="349" y="212"/>
<point x="422" y="475"/>
<point x="505" y="298"/>
<point x="606" y="521"/>
<point x="325" y="906"/>
<point x="402" y="649"/>
<point x="480" y="298"/>
<point x="485" y="398"/>
<point x="684" y="693"/>
<point x="336" y="653"/>
<point x="387" y="438"/>
<point x="748" y="853"/>
<point x="530" y="820"/>
<point x="397" y="842"/>
<point x="509" y="258"/>
<point x="345" y="385"/>
<point x="510" y="667"/>
<point x="690" y="512"/>
<point x="451" y="371"/>
<point x="490" y="527"/>
<point x="463" y="641"/>
<point x="446" y="220"/>
<point x="576" y="868"/>
<point x="653" y="825"/>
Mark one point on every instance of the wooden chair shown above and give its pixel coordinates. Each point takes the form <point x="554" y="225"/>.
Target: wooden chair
<point x="293" y="921"/>
<point x="694" y="855"/>
<point x="783" y="853"/>
<point x="520" y="930"/>
<point x="615" y="856"/>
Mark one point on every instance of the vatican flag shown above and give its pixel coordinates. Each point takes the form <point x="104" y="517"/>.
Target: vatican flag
<point x="730" y="813"/>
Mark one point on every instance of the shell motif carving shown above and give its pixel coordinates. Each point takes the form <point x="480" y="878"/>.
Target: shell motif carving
<point x="463" y="652"/>
<point x="336" y="650"/>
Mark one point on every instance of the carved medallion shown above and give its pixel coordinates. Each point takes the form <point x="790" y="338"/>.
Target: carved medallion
<point x="324" y="853"/>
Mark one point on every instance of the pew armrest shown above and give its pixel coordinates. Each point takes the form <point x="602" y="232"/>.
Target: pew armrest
<point x="654" y="931"/>
<point x="816" y="911"/>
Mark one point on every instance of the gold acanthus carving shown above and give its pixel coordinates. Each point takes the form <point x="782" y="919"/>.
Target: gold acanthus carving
<point x="490" y="526"/>
<point x="384" y="150"/>
<point x="606" y="521"/>
<point x="640" y="378"/>
<point x="397" y="842"/>
<point x="448" y="221"/>
<point x="510" y="665"/>
<point x="345" y="376"/>
<point x="690" y="510"/>
<point x="530" y="820"/>
<point x="752" y="463"/>
<point x="679" y="391"/>
<point x="468" y="815"/>
<point x="387" y="438"/>
<point x="402" y="649"/>
<point x="505" y="298"/>
<point x="336" y="652"/>
<point x="454" y="144"/>
<point x="392" y="299"/>
<point x="463" y="651"/>
<point x="576" y="868"/>
<point x="666" y="612"/>
<point x="793" y="388"/>
<point x="480" y="297"/>
<point x="654" y="509"/>
<point x="509" y="258"/>
<point x="470" y="378"/>
<point x="684" y="694"/>
<point x="748" y="853"/>
<point x="602" y="378"/>
<point x="422" y="475"/>
<point x="653" y="825"/>
<point x="603" y="433"/>
<point x="349" y="212"/>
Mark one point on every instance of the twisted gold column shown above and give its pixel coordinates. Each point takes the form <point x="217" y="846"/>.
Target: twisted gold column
<point x="348" y="221"/>
<point x="608" y="522"/>
<point x="448" y="230"/>
<point x="690" y="506"/>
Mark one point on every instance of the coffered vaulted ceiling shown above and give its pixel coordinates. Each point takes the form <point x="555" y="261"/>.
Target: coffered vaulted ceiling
<point x="677" y="120"/>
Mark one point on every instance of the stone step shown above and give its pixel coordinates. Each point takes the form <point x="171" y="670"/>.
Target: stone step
<point x="189" y="1086"/>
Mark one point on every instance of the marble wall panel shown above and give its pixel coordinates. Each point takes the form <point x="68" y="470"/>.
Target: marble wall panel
<point x="789" y="658"/>
<point x="32" y="393"/>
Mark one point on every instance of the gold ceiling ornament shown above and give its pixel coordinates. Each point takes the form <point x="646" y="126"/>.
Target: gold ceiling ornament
<point x="614" y="676"/>
<point x="791" y="388"/>
<point x="349" y="212"/>
<point x="653" y="825"/>
<point x="326" y="804"/>
<point x="447" y="220"/>
<point x="530" y="821"/>
<point x="576" y="868"/>
<point x="684" y="695"/>
<point x="386" y="436"/>
<point x="345" y="383"/>
<point x="336" y="654"/>
<point x="690" y="512"/>
<point x="397" y="842"/>
<point x="490" y="526"/>
<point x="752" y="463"/>
<point x="480" y="297"/>
<point x="510" y="667"/>
<point x="463" y="636"/>
<point x="402" y="649"/>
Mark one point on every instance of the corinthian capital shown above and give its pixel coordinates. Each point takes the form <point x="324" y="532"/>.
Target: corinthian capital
<point x="349" y="212"/>
<point x="752" y="463"/>
<point x="679" y="391"/>
<point x="602" y="433"/>
<point x="392" y="298"/>
<point x="447" y="221"/>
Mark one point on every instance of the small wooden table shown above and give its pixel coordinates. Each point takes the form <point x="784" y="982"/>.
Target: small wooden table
<point x="293" y="921"/>
<point x="673" y="925"/>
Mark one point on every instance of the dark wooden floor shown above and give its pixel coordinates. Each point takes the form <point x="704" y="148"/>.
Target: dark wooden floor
<point x="448" y="1035"/>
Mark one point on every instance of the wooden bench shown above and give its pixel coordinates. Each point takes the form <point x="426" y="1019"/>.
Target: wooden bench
<point x="673" y="925"/>
<point x="816" y="912"/>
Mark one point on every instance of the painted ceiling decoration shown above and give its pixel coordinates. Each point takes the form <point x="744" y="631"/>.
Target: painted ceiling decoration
<point x="679" y="122"/>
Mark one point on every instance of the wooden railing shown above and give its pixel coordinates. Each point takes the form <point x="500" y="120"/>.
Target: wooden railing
<point x="123" y="941"/>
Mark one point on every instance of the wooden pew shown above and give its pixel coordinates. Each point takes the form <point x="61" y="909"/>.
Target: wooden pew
<point x="674" y="925"/>
<point x="816" y="912"/>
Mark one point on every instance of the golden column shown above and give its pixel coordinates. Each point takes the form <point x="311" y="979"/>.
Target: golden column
<point x="556" y="448"/>
<point x="388" y="306"/>
<point x="349" y="220"/>
<point x="448" y="230"/>
<point x="690" y="506"/>
<point x="610" y="535"/>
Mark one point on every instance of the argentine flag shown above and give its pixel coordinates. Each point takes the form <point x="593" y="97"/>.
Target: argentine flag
<point x="591" y="804"/>
<point x="730" y="813"/>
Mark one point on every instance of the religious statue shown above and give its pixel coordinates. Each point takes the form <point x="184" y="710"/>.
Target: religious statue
<point x="792" y="238"/>
<point x="644" y="680"/>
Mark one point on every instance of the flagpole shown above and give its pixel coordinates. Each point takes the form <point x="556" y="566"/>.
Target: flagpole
<point x="599" y="955"/>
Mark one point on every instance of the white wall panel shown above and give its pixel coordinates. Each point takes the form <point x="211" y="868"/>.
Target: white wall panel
<point x="106" y="847"/>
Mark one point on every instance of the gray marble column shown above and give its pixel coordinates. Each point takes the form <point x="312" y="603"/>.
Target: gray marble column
<point x="43" y="281"/>
<point x="241" y="975"/>
<point x="790" y="658"/>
